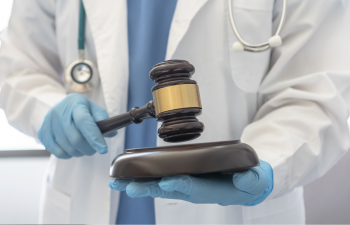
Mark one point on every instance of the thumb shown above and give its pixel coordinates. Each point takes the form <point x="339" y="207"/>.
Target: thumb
<point x="253" y="181"/>
<point x="99" y="113"/>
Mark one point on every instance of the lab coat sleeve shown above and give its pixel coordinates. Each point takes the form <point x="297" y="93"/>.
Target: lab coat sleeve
<point x="29" y="65"/>
<point x="301" y="125"/>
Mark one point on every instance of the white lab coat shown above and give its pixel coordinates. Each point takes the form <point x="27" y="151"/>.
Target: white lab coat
<point x="288" y="103"/>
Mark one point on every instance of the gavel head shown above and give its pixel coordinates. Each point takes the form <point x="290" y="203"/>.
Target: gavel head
<point x="176" y="101"/>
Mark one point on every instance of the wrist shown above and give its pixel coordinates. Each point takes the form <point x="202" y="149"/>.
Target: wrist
<point x="268" y="172"/>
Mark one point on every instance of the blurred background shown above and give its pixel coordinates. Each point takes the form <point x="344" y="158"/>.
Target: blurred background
<point x="23" y="163"/>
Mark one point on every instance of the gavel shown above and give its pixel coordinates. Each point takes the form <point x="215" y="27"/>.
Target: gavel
<point x="176" y="103"/>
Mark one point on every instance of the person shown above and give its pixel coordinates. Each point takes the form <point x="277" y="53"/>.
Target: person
<point x="288" y="103"/>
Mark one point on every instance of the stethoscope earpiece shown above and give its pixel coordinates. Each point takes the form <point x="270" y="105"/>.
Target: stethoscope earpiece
<point x="275" y="41"/>
<point x="238" y="47"/>
<point x="241" y="45"/>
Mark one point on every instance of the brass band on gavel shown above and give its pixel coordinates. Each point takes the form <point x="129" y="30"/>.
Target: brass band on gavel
<point x="176" y="97"/>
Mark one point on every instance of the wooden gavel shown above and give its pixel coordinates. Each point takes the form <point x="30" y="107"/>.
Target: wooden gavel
<point x="176" y="103"/>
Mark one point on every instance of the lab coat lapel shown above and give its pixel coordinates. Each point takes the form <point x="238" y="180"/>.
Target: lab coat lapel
<point x="184" y="14"/>
<point x="108" y="22"/>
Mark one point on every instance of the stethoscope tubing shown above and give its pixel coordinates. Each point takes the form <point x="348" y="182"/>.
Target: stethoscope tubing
<point x="255" y="47"/>
<point x="81" y="29"/>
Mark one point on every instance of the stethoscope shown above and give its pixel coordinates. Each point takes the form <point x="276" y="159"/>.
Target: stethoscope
<point x="81" y="74"/>
<point x="241" y="45"/>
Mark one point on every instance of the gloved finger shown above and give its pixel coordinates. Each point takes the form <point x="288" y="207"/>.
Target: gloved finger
<point x="88" y="128"/>
<point x="152" y="189"/>
<point x="58" y="151"/>
<point x="253" y="181"/>
<point x="75" y="137"/>
<point x="181" y="183"/>
<point x="99" y="113"/>
<point x="63" y="143"/>
<point x="47" y="139"/>
<point x="120" y="185"/>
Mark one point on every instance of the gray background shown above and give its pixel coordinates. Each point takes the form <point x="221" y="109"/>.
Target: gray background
<point x="327" y="200"/>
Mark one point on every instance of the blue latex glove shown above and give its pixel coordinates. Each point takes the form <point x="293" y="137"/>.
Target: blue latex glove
<point x="247" y="188"/>
<point x="69" y="128"/>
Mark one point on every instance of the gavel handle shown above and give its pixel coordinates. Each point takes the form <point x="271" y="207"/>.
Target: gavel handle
<point x="135" y="115"/>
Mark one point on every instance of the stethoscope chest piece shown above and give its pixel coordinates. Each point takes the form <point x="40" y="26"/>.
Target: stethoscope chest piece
<point x="81" y="76"/>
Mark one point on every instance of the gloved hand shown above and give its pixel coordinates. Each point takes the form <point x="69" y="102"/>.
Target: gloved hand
<point x="247" y="188"/>
<point x="69" y="128"/>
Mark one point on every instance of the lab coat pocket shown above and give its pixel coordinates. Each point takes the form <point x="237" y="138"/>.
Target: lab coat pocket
<point x="56" y="207"/>
<point x="253" y="19"/>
